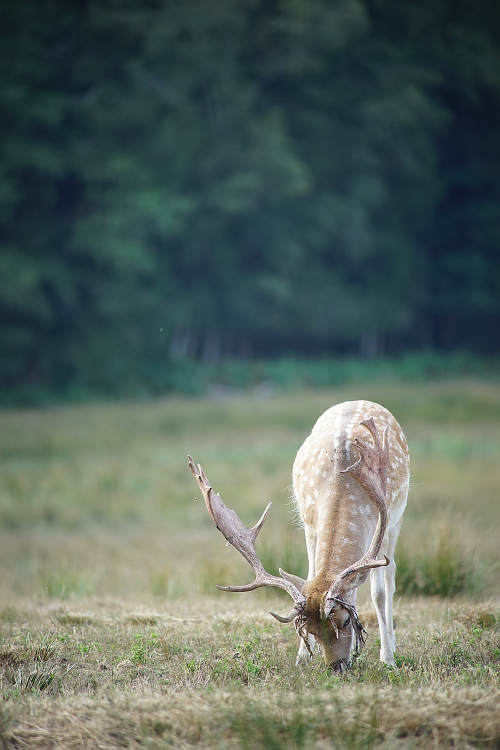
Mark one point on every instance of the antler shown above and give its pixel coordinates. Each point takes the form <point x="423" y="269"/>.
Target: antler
<point x="370" y="470"/>
<point x="243" y="539"/>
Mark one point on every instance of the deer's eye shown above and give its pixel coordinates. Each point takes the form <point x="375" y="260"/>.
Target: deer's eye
<point x="346" y="622"/>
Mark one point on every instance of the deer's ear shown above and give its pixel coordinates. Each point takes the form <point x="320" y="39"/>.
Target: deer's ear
<point x="326" y="612"/>
<point x="296" y="580"/>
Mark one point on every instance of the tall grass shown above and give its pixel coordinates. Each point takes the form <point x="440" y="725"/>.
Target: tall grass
<point x="441" y="566"/>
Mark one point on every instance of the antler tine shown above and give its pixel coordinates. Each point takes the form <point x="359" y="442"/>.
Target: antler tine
<point x="296" y="611"/>
<point x="370" y="470"/>
<point x="243" y="539"/>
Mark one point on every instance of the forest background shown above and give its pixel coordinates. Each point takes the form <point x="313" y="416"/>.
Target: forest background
<point x="203" y="181"/>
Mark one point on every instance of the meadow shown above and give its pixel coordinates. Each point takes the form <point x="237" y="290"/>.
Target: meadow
<point x="113" y="634"/>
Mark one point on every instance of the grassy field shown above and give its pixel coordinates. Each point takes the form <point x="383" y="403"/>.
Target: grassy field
<point x="112" y="633"/>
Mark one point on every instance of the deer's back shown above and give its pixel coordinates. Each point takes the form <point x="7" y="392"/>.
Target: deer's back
<point x="317" y="477"/>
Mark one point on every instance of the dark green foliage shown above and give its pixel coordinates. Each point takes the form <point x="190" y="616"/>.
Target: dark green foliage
<point x="209" y="179"/>
<point x="230" y="378"/>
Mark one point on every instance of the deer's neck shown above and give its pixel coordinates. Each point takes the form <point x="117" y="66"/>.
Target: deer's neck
<point x="346" y="521"/>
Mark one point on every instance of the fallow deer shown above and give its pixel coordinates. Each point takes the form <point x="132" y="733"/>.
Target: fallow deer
<point x="339" y="479"/>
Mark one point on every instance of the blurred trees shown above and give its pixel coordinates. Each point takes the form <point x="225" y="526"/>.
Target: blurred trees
<point x="207" y="178"/>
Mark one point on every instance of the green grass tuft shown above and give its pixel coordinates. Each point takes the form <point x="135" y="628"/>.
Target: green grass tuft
<point x="445" y="567"/>
<point x="62" y="584"/>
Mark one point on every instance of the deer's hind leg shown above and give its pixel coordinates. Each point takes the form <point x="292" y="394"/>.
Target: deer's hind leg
<point x="382" y="581"/>
<point x="390" y="582"/>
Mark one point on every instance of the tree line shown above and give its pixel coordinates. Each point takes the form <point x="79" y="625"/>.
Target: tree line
<point x="211" y="179"/>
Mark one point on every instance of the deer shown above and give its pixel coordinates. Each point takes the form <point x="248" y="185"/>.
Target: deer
<point x="350" y="484"/>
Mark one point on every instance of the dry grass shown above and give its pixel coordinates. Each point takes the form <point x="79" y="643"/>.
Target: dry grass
<point x="112" y="633"/>
<point x="103" y="675"/>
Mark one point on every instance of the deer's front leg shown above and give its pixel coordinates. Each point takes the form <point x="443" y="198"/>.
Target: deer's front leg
<point x="303" y="656"/>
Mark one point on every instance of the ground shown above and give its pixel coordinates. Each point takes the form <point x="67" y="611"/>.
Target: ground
<point x="112" y="633"/>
